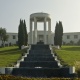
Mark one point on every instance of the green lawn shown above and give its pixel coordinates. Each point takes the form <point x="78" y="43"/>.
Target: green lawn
<point x="70" y="55"/>
<point x="9" y="55"/>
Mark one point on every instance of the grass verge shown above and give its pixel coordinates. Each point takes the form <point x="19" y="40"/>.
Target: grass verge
<point x="9" y="55"/>
<point x="70" y="55"/>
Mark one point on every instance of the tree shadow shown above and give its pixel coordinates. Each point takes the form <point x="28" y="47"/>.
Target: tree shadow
<point x="72" y="48"/>
<point x="78" y="73"/>
<point x="11" y="52"/>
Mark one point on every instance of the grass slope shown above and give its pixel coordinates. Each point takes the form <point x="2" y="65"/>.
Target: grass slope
<point x="70" y="55"/>
<point x="9" y="55"/>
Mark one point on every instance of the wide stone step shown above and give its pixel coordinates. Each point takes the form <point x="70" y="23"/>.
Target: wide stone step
<point x="40" y="47"/>
<point x="38" y="55"/>
<point x="39" y="59"/>
<point x="42" y="72"/>
<point x="45" y="64"/>
<point x="40" y="51"/>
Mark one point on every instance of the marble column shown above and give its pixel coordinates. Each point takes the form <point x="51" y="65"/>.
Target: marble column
<point x="31" y="33"/>
<point x="35" y="30"/>
<point x="45" y="30"/>
<point x="49" y="31"/>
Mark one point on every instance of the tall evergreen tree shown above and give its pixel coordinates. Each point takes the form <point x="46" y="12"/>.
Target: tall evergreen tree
<point x="25" y="32"/>
<point x="22" y="34"/>
<point x="19" y="37"/>
<point x="58" y="34"/>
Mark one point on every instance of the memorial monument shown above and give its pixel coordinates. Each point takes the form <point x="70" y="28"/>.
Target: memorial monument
<point x="40" y="17"/>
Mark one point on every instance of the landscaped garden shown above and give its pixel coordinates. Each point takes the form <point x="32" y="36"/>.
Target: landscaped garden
<point x="9" y="55"/>
<point x="69" y="55"/>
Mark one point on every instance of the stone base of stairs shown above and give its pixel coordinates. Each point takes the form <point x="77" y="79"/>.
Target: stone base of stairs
<point x="39" y="72"/>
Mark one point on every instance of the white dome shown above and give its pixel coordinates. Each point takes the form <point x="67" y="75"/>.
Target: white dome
<point x="40" y="16"/>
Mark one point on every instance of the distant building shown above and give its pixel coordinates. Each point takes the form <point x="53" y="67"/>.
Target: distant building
<point x="71" y="38"/>
<point x="12" y="40"/>
<point x="68" y="38"/>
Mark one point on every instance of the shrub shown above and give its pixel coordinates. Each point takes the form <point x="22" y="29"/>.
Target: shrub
<point x="10" y="77"/>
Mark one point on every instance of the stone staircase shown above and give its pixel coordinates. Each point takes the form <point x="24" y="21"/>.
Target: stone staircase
<point x="40" y="61"/>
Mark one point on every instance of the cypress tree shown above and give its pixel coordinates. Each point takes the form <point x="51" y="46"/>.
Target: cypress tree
<point x="22" y="33"/>
<point x="58" y="34"/>
<point x="19" y="30"/>
<point x="25" y="33"/>
<point x="21" y="36"/>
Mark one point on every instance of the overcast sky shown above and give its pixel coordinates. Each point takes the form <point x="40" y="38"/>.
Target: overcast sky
<point x="67" y="11"/>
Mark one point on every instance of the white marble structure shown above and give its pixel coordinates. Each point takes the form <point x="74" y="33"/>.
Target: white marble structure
<point x="47" y="37"/>
<point x="40" y="17"/>
<point x="40" y="36"/>
<point x="67" y="37"/>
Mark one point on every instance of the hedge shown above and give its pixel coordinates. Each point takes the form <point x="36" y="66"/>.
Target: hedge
<point x="10" y="77"/>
